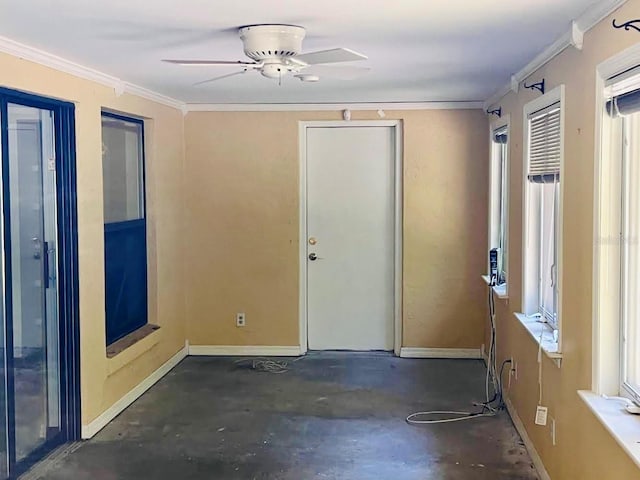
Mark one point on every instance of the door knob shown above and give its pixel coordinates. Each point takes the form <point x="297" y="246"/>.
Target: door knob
<point x="313" y="257"/>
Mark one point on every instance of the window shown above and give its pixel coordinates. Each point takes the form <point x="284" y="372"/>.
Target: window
<point x="499" y="195"/>
<point x="622" y="112"/>
<point x="122" y="170"/>
<point x="124" y="225"/>
<point x="630" y="252"/>
<point x="616" y="248"/>
<point x="542" y="209"/>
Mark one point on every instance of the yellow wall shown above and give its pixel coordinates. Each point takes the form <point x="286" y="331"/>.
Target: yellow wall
<point x="104" y="381"/>
<point x="584" y="449"/>
<point x="242" y="170"/>
<point x="238" y="223"/>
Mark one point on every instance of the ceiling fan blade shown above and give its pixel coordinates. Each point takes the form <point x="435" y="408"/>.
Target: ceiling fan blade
<point x="208" y="63"/>
<point x="329" y="56"/>
<point x="220" y="77"/>
<point x="339" y="72"/>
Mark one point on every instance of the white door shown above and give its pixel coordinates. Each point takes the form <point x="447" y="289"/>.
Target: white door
<point x="350" y="233"/>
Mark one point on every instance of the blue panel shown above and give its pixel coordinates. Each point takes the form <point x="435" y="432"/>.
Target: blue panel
<point x="125" y="259"/>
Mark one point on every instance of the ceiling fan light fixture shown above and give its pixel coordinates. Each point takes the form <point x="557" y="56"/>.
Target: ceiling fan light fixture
<point x="275" y="51"/>
<point x="273" y="70"/>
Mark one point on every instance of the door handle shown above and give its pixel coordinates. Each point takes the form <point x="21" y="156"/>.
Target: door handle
<point x="37" y="248"/>
<point x="313" y="257"/>
<point x="46" y="265"/>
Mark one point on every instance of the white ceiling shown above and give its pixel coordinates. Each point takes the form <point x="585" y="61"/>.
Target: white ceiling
<point x="419" y="50"/>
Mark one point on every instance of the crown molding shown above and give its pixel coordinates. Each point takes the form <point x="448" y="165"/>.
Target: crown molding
<point x="41" y="57"/>
<point x="573" y="37"/>
<point x="119" y="86"/>
<point x="153" y="96"/>
<point x="598" y="12"/>
<point x="307" y="107"/>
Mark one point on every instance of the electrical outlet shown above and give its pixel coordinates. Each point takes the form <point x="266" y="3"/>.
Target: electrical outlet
<point x="513" y="371"/>
<point x="552" y="427"/>
<point x="240" y="320"/>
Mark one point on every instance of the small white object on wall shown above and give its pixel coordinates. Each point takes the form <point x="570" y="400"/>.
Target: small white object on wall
<point x="541" y="415"/>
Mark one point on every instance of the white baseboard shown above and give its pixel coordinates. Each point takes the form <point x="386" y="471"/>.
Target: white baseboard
<point x="416" y="352"/>
<point x="533" y="453"/>
<point x="245" y="350"/>
<point x="112" y="412"/>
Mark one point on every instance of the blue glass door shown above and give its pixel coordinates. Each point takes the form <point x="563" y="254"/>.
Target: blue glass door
<point x="39" y="395"/>
<point x="32" y="206"/>
<point x="31" y="279"/>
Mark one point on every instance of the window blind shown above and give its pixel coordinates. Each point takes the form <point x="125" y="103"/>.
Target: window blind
<point x="622" y="93"/>
<point x="624" y="104"/>
<point x="544" y="145"/>
<point x="500" y="136"/>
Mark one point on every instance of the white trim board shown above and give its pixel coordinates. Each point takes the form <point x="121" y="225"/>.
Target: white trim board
<point x="591" y="17"/>
<point x="533" y="453"/>
<point x="418" y="352"/>
<point x="620" y="424"/>
<point x="46" y="59"/>
<point x="306" y="107"/>
<point x="121" y="86"/>
<point x="398" y="199"/>
<point x="245" y="350"/>
<point x="112" y="412"/>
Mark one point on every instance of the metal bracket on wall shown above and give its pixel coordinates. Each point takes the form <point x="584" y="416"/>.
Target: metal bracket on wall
<point x="497" y="112"/>
<point x="536" y="86"/>
<point x="627" y="25"/>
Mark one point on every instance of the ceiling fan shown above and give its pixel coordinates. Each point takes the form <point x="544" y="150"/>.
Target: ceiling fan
<point x="275" y="51"/>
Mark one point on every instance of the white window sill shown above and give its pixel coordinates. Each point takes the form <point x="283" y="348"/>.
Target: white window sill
<point x="623" y="426"/>
<point x="543" y="336"/>
<point x="499" y="290"/>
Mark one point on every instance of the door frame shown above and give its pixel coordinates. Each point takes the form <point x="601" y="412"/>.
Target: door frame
<point x="67" y="258"/>
<point x="303" y="126"/>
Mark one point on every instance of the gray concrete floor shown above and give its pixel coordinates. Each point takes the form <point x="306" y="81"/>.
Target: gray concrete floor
<point x="331" y="416"/>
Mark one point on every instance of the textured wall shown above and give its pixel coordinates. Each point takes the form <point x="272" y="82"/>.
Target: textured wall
<point x="242" y="215"/>
<point x="584" y="449"/>
<point x="104" y="381"/>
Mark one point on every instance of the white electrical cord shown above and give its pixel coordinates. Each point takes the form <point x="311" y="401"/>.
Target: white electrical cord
<point x="540" y="369"/>
<point x="460" y="416"/>
<point x="629" y="406"/>
<point x="491" y="362"/>
<point x="267" y="365"/>
<point x="492" y="374"/>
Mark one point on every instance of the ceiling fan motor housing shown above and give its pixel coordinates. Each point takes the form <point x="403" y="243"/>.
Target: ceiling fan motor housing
<point x="263" y="42"/>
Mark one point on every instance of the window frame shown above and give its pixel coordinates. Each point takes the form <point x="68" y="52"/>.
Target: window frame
<point x="607" y="353"/>
<point x="611" y="215"/>
<point x="626" y="184"/>
<point x="142" y="192"/>
<point x="499" y="227"/>
<point x="531" y="217"/>
<point x="140" y="222"/>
